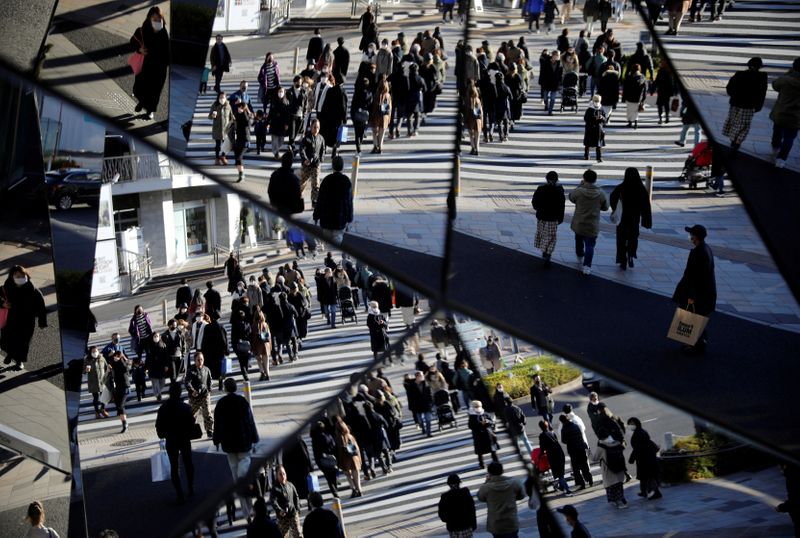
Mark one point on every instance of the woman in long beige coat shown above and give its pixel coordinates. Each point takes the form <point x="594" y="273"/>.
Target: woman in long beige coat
<point x="380" y="114"/>
<point x="348" y="456"/>
<point x="221" y="115"/>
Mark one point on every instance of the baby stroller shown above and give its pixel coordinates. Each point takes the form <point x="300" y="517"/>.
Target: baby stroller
<point x="569" y="92"/>
<point x="697" y="167"/>
<point x="541" y="467"/>
<point x="444" y="411"/>
<point x="346" y="305"/>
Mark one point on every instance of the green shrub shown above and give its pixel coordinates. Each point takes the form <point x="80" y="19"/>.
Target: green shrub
<point x="517" y="381"/>
<point x="705" y="455"/>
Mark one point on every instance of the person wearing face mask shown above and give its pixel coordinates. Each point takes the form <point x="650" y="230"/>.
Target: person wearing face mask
<point x="118" y="382"/>
<point x="242" y="117"/>
<point x="269" y="80"/>
<point x="24" y="304"/>
<point x="645" y="455"/>
<point x="369" y="55"/>
<point x="297" y="96"/>
<point x="112" y="347"/>
<point x="175" y="342"/>
<point x="141" y="329"/>
<point x="220" y="60"/>
<point x="151" y="40"/>
<point x="96" y="368"/>
<point x="221" y="114"/>
<point x="278" y="121"/>
<point x="158" y="364"/>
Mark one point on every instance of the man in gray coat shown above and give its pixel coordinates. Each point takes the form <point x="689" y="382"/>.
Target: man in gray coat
<point x="589" y="201"/>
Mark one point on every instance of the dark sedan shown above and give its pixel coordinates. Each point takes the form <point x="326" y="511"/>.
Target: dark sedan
<point x="67" y="187"/>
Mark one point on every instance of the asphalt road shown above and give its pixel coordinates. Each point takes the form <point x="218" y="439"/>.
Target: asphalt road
<point x="22" y="29"/>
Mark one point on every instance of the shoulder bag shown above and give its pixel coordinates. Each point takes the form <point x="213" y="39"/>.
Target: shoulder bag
<point x="136" y="60"/>
<point x="3" y="309"/>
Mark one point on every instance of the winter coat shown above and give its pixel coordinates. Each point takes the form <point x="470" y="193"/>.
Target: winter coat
<point x="384" y="63"/>
<point x="515" y="420"/>
<point x="420" y="397"/>
<point x="279" y="117"/>
<point x="314" y="50"/>
<point x="501" y="493"/>
<point x="635" y="207"/>
<point x="285" y="497"/>
<point x="214" y="347"/>
<point x="548" y="201"/>
<point x="332" y="114"/>
<point x="158" y="361"/>
<point x="345" y="460"/>
<point x="644" y="454"/>
<point x="634" y="88"/>
<point x="747" y="89"/>
<point x="213" y="301"/>
<point x="150" y="81"/>
<point x="665" y="86"/>
<point x="334" y="207"/>
<point x="534" y="6"/>
<point x="234" y="426"/>
<point x="118" y="379"/>
<point x="594" y="134"/>
<point x="222" y="123"/>
<point x="382" y="293"/>
<point x="471" y="69"/>
<point x="551" y="75"/>
<point x="572" y="437"/>
<point x="548" y="442"/>
<point x="786" y="110"/>
<point x="589" y="200"/>
<point x="175" y="421"/>
<point x="284" y="192"/>
<point x="341" y="63"/>
<point x="183" y="295"/>
<point x="608" y="88"/>
<point x="601" y="455"/>
<point x="27" y="305"/>
<point x="457" y="510"/>
<point x="322" y="523"/>
<point x="378" y="338"/>
<point x="698" y="281"/>
<point x="483" y="438"/>
<point x="297" y="463"/>
<point x="220" y="57"/>
<point x="97" y="373"/>
<point x="591" y="9"/>
<point x="377" y="426"/>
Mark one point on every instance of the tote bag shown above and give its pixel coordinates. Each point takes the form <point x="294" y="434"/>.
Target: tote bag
<point x="159" y="464"/>
<point x="687" y="326"/>
<point x="136" y="60"/>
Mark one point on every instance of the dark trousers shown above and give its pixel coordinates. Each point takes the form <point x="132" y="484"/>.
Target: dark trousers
<point x="218" y="72"/>
<point x="244" y="363"/>
<point x="359" y="129"/>
<point x="580" y="468"/>
<point x="627" y="244"/>
<point x="783" y="139"/>
<point x="96" y="402"/>
<point x="261" y="140"/>
<point x="184" y="449"/>
<point x="295" y="128"/>
<point x="447" y="8"/>
<point x="330" y="478"/>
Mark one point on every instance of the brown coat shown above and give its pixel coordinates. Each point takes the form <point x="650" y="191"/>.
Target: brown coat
<point x="346" y="461"/>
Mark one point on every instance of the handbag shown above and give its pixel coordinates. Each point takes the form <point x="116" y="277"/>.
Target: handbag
<point x="687" y="326"/>
<point x="351" y="448"/>
<point x="3" y="311"/>
<point x="341" y="134"/>
<point x="243" y="347"/>
<point x="196" y="433"/>
<point x="106" y="395"/>
<point x="385" y="108"/>
<point x="327" y="462"/>
<point x="263" y="336"/>
<point x="616" y="214"/>
<point x="361" y="115"/>
<point x="675" y="104"/>
<point x="136" y="60"/>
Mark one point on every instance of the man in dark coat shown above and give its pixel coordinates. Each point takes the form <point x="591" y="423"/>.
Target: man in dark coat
<point x="183" y="295"/>
<point x="220" y="62"/>
<point x="341" y="61"/>
<point x="297" y="464"/>
<point x="215" y="346"/>
<point x="175" y="422"/>
<point x="213" y="298"/>
<point x="550" y="79"/>
<point x="457" y="507"/>
<point x="321" y="522"/>
<point x="548" y="201"/>
<point x="515" y="423"/>
<point x="747" y="90"/>
<point x="572" y="436"/>
<point x="334" y="209"/>
<point x="697" y="290"/>
<point x="235" y="430"/>
<point x="284" y="187"/>
<point x="548" y="443"/>
<point x="420" y="402"/>
<point x="539" y="393"/>
<point x="315" y="46"/>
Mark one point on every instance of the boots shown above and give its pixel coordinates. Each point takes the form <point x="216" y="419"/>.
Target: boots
<point x="599" y="154"/>
<point x="586" y="154"/>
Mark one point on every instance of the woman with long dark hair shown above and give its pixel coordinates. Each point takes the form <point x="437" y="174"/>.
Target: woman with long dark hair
<point x="152" y="41"/>
<point x="630" y="199"/>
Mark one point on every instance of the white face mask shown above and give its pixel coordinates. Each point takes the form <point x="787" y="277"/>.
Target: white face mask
<point x="21" y="281"/>
<point x="157" y="25"/>
<point x="221" y="100"/>
<point x="305" y="84"/>
<point x="95" y="354"/>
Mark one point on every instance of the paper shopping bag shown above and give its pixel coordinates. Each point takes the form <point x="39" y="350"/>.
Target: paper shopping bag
<point x="159" y="465"/>
<point x="687" y="326"/>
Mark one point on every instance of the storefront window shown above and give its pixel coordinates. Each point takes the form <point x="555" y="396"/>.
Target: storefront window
<point x="196" y="231"/>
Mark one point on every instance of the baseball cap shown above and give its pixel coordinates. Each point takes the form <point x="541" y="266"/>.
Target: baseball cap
<point x="568" y="510"/>
<point x="697" y="230"/>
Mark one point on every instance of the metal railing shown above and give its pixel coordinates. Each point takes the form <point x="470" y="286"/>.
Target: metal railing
<point x="137" y="167"/>
<point x="358" y="7"/>
<point x="222" y="251"/>
<point x="137" y="266"/>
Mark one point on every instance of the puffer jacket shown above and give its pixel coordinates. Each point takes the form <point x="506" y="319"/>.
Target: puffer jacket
<point x="786" y="111"/>
<point x="589" y="201"/>
<point x="501" y="493"/>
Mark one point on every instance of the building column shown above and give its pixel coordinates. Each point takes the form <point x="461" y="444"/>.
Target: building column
<point x="157" y="222"/>
<point x="228" y="207"/>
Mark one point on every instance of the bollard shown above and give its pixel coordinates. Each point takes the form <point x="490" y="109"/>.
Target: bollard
<point x="356" y="164"/>
<point x="247" y="392"/>
<point x="648" y="181"/>
<point x="336" y="504"/>
<point x="457" y="188"/>
<point x="296" y="59"/>
<point x="669" y="440"/>
<point x="164" y="311"/>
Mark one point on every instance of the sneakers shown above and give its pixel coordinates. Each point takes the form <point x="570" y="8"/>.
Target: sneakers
<point x="587" y="270"/>
<point x="568" y="493"/>
<point x="579" y="258"/>
<point x="780" y="163"/>
<point x="241" y="177"/>
<point x="679" y="143"/>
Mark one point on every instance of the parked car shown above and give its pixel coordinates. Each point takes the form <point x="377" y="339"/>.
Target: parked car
<point x="594" y="382"/>
<point x="67" y="187"/>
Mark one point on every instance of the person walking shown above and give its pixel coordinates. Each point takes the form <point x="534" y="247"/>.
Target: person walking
<point x="697" y="289"/>
<point x="548" y="442"/>
<point x="360" y="109"/>
<point x="315" y="46"/>
<point x="515" y="424"/>
<point x="608" y="90"/>
<point x="666" y="87"/>
<point x="36" y="517"/>
<point x="235" y="430"/>
<point x="785" y="113"/>
<point x="457" y="509"/>
<point x="591" y="13"/>
<point x="118" y="381"/>
<point x="284" y="188"/>
<point x="645" y="455"/>
<point x="215" y="347"/>
<point x="175" y="423"/>
<point x="323" y="447"/>
<point x="262" y="526"/>
<point x="630" y="199"/>
<point x="540" y="393"/>
<point x="570" y="513"/>
<point x="278" y="119"/>
<point x="609" y="455"/>
<point x="334" y="207"/>
<point x="573" y="438"/>
<point x="378" y="333"/>
<point x="312" y="151"/>
<point x="501" y="493"/>
<point x="689" y="119"/>
<point x="222" y="117"/>
<point x="533" y="10"/>
<point x="548" y="201"/>
<point x="348" y="456"/>
<point x="589" y="201"/>
<point x="594" y="135"/>
<point x="284" y="498"/>
<point x="183" y="294"/>
<point x="550" y="78"/>
<point x="484" y="439"/>
<point x="213" y="300"/>
<point x="634" y="91"/>
<point x="158" y="364"/>
<point x="175" y="342"/>
<point x="747" y="90"/>
<point x="261" y="344"/>
<point x="152" y="40"/>
<point x="269" y="80"/>
<point x="220" y="60"/>
<point x="332" y="106"/>
<point x="473" y="118"/>
<point x="25" y="305"/>
<point x="96" y="368"/>
<point x="321" y="522"/>
<point x="380" y="113"/>
<point x="420" y="402"/>
<point x="198" y="385"/>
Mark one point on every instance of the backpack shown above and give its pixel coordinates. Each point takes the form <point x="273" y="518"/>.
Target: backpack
<point x="615" y="459"/>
